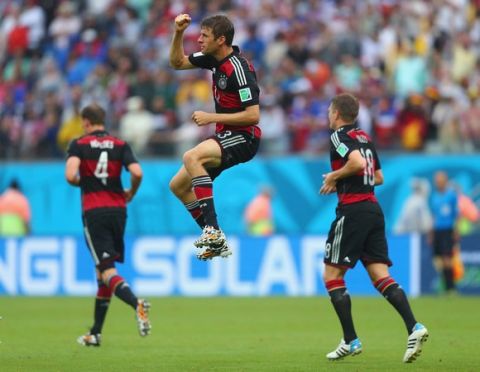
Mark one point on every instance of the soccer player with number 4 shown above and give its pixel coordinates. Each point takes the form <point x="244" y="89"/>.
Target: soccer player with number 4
<point x="237" y="113"/>
<point x="94" y="163"/>
<point x="358" y="231"/>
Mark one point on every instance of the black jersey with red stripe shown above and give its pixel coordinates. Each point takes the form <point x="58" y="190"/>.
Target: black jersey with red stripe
<point x="234" y="85"/>
<point x="102" y="157"/>
<point x="359" y="187"/>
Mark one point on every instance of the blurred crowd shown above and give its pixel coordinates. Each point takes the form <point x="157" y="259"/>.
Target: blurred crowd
<point x="414" y="64"/>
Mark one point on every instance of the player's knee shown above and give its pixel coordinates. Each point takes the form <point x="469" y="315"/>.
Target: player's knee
<point x="174" y="186"/>
<point x="178" y="187"/>
<point x="107" y="269"/>
<point x="329" y="274"/>
<point x="190" y="157"/>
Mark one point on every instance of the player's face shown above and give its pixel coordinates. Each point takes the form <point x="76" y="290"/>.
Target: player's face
<point x="207" y="41"/>
<point x="332" y="116"/>
<point x="86" y="125"/>
<point x="441" y="180"/>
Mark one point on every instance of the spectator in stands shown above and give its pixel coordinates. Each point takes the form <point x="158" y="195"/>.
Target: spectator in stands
<point x="12" y="31"/>
<point x="274" y="126"/>
<point x="253" y="47"/>
<point x="411" y="73"/>
<point x="15" y="212"/>
<point x="71" y="127"/>
<point x="33" y="17"/>
<point x="384" y="118"/>
<point x="397" y="50"/>
<point x="137" y="125"/>
<point x="412" y="124"/>
<point x="64" y="28"/>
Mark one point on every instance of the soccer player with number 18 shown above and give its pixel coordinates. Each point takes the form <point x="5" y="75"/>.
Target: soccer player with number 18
<point x="358" y="231"/>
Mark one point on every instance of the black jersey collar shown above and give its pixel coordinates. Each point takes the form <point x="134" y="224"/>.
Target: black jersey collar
<point x="236" y="50"/>
<point x="348" y="127"/>
<point x="99" y="133"/>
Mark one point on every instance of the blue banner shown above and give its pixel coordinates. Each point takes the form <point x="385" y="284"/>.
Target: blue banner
<point x="297" y="207"/>
<point x="167" y="265"/>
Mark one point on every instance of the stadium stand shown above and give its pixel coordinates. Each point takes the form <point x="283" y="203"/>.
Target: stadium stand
<point x="414" y="64"/>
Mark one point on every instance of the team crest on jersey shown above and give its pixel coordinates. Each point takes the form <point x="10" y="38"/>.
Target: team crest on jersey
<point x="222" y="82"/>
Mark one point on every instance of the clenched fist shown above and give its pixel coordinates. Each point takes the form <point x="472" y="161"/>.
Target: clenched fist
<point x="182" y="21"/>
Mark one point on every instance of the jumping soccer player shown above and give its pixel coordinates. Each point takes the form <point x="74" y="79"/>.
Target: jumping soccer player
<point x="237" y="135"/>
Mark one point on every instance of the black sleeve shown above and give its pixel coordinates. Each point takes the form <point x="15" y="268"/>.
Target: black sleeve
<point x="201" y="60"/>
<point x="245" y="82"/>
<point x="128" y="156"/>
<point x="343" y="144"/>
<point x="73" y="149"/>
<point x="377" y="160"/>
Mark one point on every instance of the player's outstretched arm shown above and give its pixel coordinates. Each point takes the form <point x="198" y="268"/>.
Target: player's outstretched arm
<point x="178" y="59"/>
<point x="71" y="170"/>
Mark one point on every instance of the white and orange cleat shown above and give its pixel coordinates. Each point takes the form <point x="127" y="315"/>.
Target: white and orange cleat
<point x="143" y="322"/>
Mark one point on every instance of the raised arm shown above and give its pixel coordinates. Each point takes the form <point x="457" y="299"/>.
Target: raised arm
<point x="178" y="59"/>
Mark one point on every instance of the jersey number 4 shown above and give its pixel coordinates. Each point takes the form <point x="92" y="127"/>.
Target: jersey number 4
<point x="101" y="171"/>
<point x="369" y="172"/>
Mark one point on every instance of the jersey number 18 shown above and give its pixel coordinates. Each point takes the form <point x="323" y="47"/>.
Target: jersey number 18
<point x="369" y="172"/>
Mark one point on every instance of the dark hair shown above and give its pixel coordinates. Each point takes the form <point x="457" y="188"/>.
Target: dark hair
<point x="220" y="26"/>
<point x="14" y="184"/>
<point x="347" y="106"/>
<point x="94" y="114"/>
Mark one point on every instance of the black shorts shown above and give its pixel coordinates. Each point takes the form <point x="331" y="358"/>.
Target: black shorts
<point x="237" y="147"/>
<point x="443" y="242"/>
<point x="104" y="235"/>
<point x="358" y="232"/>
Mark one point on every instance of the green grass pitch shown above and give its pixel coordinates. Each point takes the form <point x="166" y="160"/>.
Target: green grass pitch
<point x="234" y="334"/>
